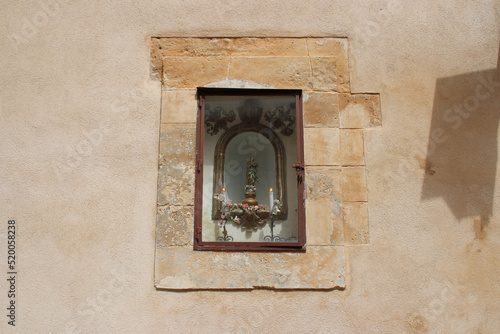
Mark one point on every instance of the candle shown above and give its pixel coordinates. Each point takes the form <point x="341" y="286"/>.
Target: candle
<point x="223" y="199"/>
<point x="271" y="199"/>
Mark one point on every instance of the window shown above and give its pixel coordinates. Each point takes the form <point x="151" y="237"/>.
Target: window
<point x="249" y="170"/>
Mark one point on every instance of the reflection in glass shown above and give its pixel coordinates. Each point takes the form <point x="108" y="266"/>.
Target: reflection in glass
<point x="249" y="149"/>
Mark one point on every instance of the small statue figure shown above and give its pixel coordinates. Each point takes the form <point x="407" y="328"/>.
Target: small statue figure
<point x="250" y="189"/>
<point x="252" y="171"/>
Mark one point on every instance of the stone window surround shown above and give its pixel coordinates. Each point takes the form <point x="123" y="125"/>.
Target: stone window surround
<point x="334" y="120"/>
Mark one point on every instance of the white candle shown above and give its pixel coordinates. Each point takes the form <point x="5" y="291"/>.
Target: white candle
<point x="223" y="199"/>
<point x="271" y="199"/>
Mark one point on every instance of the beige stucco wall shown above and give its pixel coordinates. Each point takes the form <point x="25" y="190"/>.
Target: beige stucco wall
<point x="80" y="118"/>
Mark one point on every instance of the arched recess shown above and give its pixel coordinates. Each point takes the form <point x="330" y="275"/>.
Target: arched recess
<point x="280" y="158"/>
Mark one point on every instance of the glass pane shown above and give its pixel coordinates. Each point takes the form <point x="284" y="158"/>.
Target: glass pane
<point x="239" y="152"/>
<point x="249" y="183"/>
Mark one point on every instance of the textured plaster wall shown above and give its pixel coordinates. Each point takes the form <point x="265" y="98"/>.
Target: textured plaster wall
<point x="79" y="118"/>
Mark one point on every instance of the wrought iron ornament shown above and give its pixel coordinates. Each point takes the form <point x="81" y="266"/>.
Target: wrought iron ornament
<point x="275" y="238"/>
<point x="281" y="119"/>
<point x="250" y="113"/>
<point x="225" y="237"/>
<point x="217" y="119"/>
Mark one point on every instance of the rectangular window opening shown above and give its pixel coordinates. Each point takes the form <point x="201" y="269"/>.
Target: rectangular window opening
<point x="249" y="170"/>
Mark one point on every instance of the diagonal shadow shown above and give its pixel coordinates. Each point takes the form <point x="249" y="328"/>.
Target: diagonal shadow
<point x="462" y="151"/>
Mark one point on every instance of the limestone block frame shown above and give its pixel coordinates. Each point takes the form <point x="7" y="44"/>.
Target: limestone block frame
<point x="334" y="123"/>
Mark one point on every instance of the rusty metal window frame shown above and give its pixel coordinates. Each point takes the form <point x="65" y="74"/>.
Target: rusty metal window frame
<point x="199" y="244"/>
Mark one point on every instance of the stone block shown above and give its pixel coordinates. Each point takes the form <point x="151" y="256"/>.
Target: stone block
<point x="354" y="184"/>
<point x="337" y="48"/>
<point x="352" y="147"/>
<point x="181" y="268"/>
<point x="194" y="47"/>
<point x="321" y="146"/>
<point x="174" y="226"/>
<point x="356" y="229"/>
<point x="324" y="73"/>
<point x="279" y="72"/>
<point x="179" y="106"/>
<point x="324" y="206"/>
<point x="176" y="172"/>
<point x="289" y="47"/>
<point x="327" y="47"/>
<point x="359" y="111"/>
<point x="190" y="72"/>
<point x="156" y="59"/>
<point x="321" y="110"/>
<point x="177" y="144"/>
<point x="176" y="184"/>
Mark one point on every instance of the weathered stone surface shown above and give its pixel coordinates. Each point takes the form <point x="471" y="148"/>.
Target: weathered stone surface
<point x="324" y="206"/>
<point x="317" y="268"/>
<point x="279" y="72"/>
<point x="321" y="110"/>
<point x="177" y="144"/>
<point x="356" y="229"/>
<point x="324" y="73"/>
<point x="190" y="72"/>
<point x="174" y="226"/>
<point x="321" y="146"/>
<point x="176" y="184"/>
<point x="333" y="47"/>
<point x="236" y="83"/>
<point x="156" y="59"/>
<point x="193" y="47"/>
<point x="352" y="147"/>
<point x="327" y="47"/>
<point x="354" y="184"/>
<point x="178" y="106"/>
<point x="290" y="47"/>
<point x="359" y="111"/>
<point x="206" y="47"/>
<point x="176" y="171"/>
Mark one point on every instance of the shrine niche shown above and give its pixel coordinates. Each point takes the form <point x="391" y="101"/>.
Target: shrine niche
<point x="251" y="170"/>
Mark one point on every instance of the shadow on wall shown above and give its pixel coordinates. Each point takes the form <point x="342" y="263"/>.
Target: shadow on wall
<point x="462" y="151"/>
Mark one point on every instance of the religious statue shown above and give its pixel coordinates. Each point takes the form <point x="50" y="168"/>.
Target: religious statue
<point x="250" y="189"/>
<point x="252" y="171"/>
